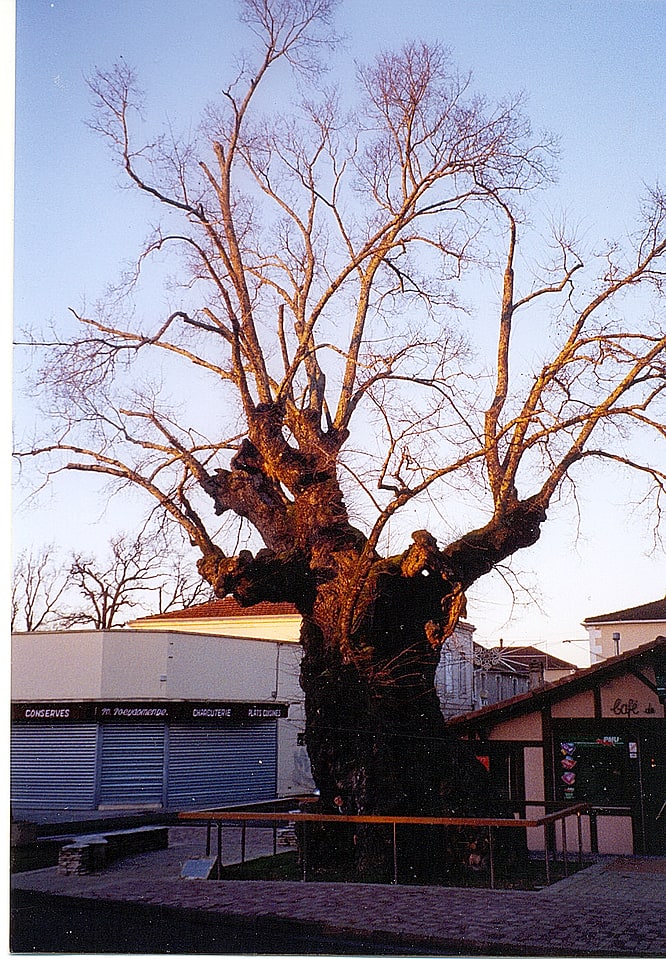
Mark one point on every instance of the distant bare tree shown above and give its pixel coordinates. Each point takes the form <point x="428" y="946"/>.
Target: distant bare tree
<point x="38" y="586"/>
<point x="143" y="572"/>
<point x="148" y="573"/>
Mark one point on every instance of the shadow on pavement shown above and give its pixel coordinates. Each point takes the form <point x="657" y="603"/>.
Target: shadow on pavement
<point x="42" y="923"/>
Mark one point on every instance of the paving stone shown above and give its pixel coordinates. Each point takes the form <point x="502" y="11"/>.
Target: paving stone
<point x="614" y="908"/>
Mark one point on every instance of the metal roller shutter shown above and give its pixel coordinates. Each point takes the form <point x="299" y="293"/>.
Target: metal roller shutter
<point x="53" y="767"/>
<point x="213" y="766"/>
<point x="132" y="770"/>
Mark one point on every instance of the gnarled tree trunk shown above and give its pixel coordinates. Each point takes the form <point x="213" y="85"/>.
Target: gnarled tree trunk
<point x="372" y="634"/>
<point x="378" y="745"/>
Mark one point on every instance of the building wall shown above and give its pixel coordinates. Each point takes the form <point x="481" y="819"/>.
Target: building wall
<point x="527" y="727"/>
<point x="58" y="665"/>
<point x="628" y="697"/>
<point x="580" y="706"/>
<point x="171" y="666"/>
<point x="132" y="665"/>
<point x="285" y="628"/>
<point x="552" y="675"/>
<point x="454" y="678"/>
<point x="294" y="774"/>
<point x="126" y="664"/>
<point x="534" y="793"/>
<point x="534" y="787"/>
<point x="495" y="685"/>
<point x="602" y="645"/>
<point x="615" y="836"/>
<point x="210" y="667"/>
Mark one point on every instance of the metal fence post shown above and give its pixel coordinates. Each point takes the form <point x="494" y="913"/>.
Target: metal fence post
<point x="579" y="819"/>
<point x="547" y="822"/>
<point x="304" y="851"/>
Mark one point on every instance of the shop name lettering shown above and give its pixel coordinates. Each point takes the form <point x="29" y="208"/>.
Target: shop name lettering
<point x="253" y="712"/>
<point x="47" y="714"/>
<point x="627" y="707"/>
<point x="159" y="712"/>
<point x="91" y="711"/>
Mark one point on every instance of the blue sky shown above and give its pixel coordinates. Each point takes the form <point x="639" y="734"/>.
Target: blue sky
<point x="593" y="73"/>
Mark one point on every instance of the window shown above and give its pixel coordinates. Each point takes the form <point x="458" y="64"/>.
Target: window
<point x="462" y="674"/>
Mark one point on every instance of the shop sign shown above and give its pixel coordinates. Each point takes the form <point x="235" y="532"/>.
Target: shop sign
<point x="234" y="711"/>
<point x="51" y="712"/>
<point x="137" y="712"/>
<point x="629" y="707"/>
<point x="131" y="711"/>
<point x="625" y="707"/>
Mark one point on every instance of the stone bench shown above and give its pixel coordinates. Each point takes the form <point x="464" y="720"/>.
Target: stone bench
<point x="85" y="854"/>
<point x="88" y="854"/>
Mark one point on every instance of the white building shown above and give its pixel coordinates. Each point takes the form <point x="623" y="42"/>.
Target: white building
<point x="613" y="633"/>
<point x="157" y="719"/>
<point x="194" y="708"/>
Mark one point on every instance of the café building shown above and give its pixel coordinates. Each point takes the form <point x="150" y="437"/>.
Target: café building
<point x="597" y="737"/>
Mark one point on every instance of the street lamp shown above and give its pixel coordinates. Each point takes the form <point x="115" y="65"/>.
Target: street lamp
<point x="616" y="640"/>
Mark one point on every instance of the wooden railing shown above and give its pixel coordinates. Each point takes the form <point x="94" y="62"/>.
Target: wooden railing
<point x="228" y="818"/>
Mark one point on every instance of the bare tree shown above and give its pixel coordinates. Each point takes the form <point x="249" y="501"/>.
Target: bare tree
<point x="139" y="572"/>
<point x="148" y="572"/>
<point x="334" y="383"/>
<point x="37" y="590"/>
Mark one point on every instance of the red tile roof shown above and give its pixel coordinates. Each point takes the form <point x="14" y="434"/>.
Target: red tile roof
<point x="226" y="608"/>
<point x="648" y="612"/>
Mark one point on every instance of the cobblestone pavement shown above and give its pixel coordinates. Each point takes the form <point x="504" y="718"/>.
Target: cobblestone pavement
<point x="614" y="908"/>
